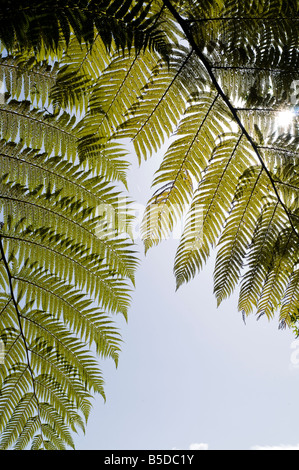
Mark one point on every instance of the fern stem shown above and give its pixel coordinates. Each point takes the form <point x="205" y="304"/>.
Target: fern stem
<point x="254" y="69"/>
<point x="184" y="24"/>
<point x="278" y="149"/>
<point x="13" y="298"/>
<point x="6" y="305"/>
<point x="243" y="18"/>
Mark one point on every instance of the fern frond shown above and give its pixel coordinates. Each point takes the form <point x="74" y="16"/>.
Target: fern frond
<point x="28" y="80"/>
<point x="60" y="368"/>
<point x="67" y="264"/>
<point x="153" y="118"/>
<point x="183" y="163"/>
<point x="244" y="171"/>
<point x="238" y="232"/>
<point x="289" y="306"/>
<point x="279" y="274"/>
<point x="44" y="27"/>
<point x="267" y="231"/>
<point x="211" y="205"/>
<point x="38" y="129"/>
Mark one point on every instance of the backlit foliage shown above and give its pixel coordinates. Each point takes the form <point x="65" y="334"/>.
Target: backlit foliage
<point x="209" y="79"/>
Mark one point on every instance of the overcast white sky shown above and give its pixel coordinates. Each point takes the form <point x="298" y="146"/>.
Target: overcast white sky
<point x="191" y="375"/>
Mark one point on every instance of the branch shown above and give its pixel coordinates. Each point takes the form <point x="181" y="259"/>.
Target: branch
<point x="184" y="24"/>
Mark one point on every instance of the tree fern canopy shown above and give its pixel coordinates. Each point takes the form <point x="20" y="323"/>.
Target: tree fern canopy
<point x="212" y="79"/>
<point x="230" y="166"/>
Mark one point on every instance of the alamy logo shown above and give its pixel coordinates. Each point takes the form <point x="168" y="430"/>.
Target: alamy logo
<point x="133" y="221"/>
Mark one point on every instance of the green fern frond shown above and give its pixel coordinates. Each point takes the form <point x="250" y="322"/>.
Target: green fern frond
<point x="289" y="305"/>
<point x="279" y="274"/>
<point x="27" y="79"/>
<point x="44" y="27"/>
<point x="211" y="205"/>
<point x="243" y="169"/>
<point x="153" y="118"/>
<point x="38" y="129"/>
<point x="67" y="264"/>
<point x="61" y="368"/>
<point x="238" y="232"/>
<point x="267" y="231"/>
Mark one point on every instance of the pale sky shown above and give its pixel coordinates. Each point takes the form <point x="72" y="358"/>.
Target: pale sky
<point x="192" y="376"/>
